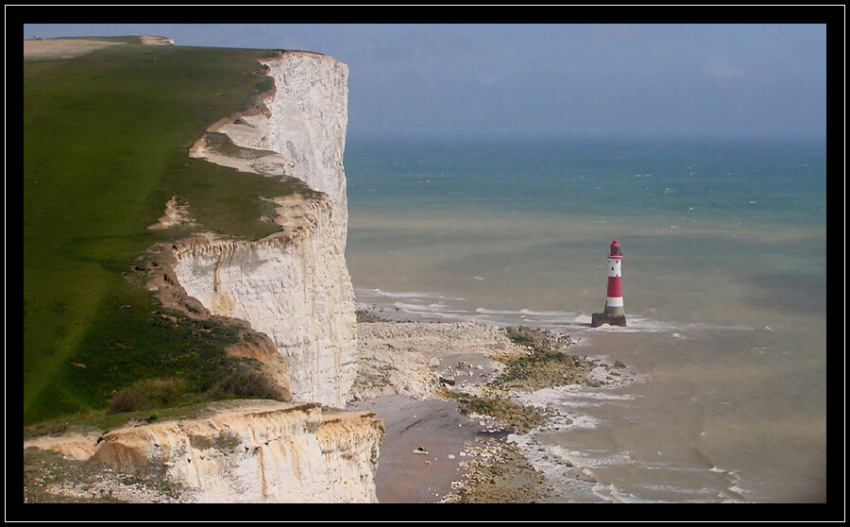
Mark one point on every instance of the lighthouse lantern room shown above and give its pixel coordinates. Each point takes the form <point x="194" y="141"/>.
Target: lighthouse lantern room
<point x="613" y="313"/>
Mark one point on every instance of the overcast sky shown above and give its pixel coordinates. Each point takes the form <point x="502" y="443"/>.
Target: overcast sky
<point x="727" y="80"/>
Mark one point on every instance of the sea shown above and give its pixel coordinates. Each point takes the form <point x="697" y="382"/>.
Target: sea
<point x="724" y="285"/>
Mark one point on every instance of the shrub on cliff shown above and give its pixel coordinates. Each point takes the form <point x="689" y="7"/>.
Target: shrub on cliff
<point x="250" y="384"/>
<point x="129" y="399"/>
<point x="147" y="394"/>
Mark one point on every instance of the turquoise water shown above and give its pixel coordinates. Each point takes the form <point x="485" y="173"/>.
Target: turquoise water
<point x="757" y="182"/>
<point x="724" y="278"/>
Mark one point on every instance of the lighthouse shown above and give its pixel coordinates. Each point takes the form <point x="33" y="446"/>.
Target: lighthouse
<point x="613" y="313"/>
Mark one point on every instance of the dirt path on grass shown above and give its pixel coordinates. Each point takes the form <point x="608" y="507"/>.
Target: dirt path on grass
<point x="61" y="48"/>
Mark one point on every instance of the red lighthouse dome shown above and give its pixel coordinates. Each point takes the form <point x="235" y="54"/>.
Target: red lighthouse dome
<point x="615" y="250"/>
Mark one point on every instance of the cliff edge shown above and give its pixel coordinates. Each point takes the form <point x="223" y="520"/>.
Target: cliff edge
<point x="293" y="286"/>
<point x="292" y="289"/>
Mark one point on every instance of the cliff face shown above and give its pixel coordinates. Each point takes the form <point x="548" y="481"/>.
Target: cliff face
<point x="271" y="452"/>
<point x="308" y="120"/>
<point x="294" y="290"/>
<point x="247" y="452"/>
<point x="293" y="286"/>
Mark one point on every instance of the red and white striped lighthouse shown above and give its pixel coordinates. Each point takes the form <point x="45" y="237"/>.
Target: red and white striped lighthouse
<point x="614" y="313"/>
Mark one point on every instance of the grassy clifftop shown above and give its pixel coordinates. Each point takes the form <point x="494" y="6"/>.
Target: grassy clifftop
<point x="106" y="136"/>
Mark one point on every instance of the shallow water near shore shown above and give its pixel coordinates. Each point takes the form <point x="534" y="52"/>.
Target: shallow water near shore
<point x="724" y="277"/>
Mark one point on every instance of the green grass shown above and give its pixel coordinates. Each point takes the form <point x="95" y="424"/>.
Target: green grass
<point x="129" y="39"/>
<point x="106" y="137"/>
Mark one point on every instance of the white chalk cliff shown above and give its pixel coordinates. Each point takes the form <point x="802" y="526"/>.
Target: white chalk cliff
<point x="293" y="286"/>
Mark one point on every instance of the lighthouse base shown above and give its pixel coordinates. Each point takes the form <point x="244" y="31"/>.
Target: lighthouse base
<point x="607" y="318"/>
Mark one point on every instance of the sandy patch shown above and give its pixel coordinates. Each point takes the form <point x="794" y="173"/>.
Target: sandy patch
<point x="248" y="160"/>
<point x="176" y="213"/>
<point x="72" y="445"/>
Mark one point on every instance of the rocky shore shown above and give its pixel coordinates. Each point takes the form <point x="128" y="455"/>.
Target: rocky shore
<point x="446" y="392"/>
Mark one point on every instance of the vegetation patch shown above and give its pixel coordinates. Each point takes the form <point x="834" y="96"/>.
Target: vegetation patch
<point x="149" y="393"/>
<point x="520" y="418"/>
<point x="366" y="316"/>
<point x="246" y="383"/>
<point x="545" y="366"/>
<point x="227" y="441"/>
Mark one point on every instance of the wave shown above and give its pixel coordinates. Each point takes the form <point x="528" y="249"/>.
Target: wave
<point x="611" y="493"/>
<point x="637" y="324"/>
<point x="432" y="312"/>
<point x="698" y="495"/>
<point x="525" y="312"/>
<point x="438" y="310"/>
<point x="532" y="313"/>
<point x="588" y="470"/>
<point x="571" y="397"/>
<point x="364" y="292"/>
<point x="484" y="311"/>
